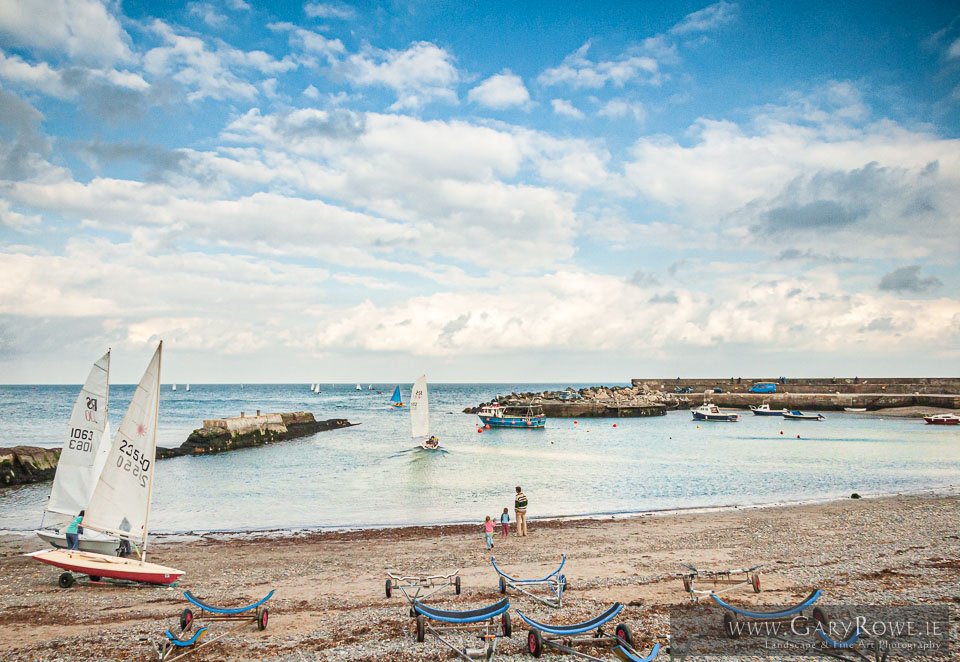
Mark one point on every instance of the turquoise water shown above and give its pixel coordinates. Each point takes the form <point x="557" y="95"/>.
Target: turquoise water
<point x="371" y="474"/>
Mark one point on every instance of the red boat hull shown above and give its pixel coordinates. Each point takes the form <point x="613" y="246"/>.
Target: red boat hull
<point x="943" y="421"/>
<point x="88" y="563"/>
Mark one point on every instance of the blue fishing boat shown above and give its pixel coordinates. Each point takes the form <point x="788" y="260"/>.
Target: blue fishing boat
<point x="396" y="400"/>
<point x="501" y="416"/>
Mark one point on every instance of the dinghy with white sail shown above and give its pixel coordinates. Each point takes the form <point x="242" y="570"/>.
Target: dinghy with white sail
<point x="420" y="415"/>
<point x="82" y="459"/>
<point x="120" y="504"/>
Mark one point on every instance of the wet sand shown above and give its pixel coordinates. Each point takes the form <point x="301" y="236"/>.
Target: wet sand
<point x="330" y="602"/>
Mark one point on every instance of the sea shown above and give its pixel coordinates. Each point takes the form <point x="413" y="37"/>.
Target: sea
<point x="373" y="474"/>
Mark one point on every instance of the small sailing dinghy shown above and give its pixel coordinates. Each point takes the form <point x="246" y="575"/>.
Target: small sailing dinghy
<point x="420" y="415"/>
<point x="359" y="388"/>
<point x="396" y="400"/>
<point x="120" y="504"/>
<point x="82" y="459"/>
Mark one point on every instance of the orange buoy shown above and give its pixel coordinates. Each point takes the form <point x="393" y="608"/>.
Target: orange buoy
<point x="479" y="430"/>
<point x="574" y="422"/>
<point x="798" y="436"/>
<point x="781" y="431"/>
<point x="486" y="427"/>
<point x="614" y="425"/>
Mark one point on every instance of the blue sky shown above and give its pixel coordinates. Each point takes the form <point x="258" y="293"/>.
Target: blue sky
<point x="507" y="191"/>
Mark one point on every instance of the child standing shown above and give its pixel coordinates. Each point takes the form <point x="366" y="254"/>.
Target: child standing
<point x="488" y="531"/>
<point x="504" y="523"/>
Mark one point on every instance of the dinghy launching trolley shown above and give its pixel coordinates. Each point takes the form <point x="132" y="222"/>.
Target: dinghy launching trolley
<point x="734" y="617"/>
<point x="555" y="583"/>
<point x="731" y="579"/>
<point x="174" y="647"/>
<point x="563" y="637"/>
<point x="490" y="623"/>
<point x="416" y="587"/>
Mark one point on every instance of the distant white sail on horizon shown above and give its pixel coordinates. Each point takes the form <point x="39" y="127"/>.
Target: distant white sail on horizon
<point x="121" y="500"/>
<point x="87" y="445"/>
<point x="419" y="409"/>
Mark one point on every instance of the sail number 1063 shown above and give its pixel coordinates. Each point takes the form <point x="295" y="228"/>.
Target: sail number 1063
<point x="81" y="440"/>
<point x="133" y="461"/>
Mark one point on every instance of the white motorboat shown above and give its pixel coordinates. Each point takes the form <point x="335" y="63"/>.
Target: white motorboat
<point x="764" y="410"/>
<point x="797" y="415"/>
<point x="711" y="412"/>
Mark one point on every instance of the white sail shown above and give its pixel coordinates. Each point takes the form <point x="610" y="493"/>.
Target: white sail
<point x="419" y="408"/>
<point x="85" y="448"/>
<point x="121" y="500"/>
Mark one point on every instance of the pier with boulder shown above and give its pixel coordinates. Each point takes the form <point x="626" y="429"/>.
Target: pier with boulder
<point x="22" y="465"/>
<point x="593" y="402"/>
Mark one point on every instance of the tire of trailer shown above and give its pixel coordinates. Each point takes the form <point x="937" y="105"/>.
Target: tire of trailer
<point x="456" y="585"/>
<point x="66" y="580"/>
<point x="535" y="643"/>
<point x="389" y="589"/>
<point x="421" y="629"/>
<point x="262" y="619"/>
<point x="186" y="618"/>
<point x="507" y="625"/>
<point x="623" y="634"/>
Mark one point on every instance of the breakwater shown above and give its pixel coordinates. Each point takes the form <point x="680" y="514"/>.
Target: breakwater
<point x="22" y="465"/>
<point x="226" y="434"/>
<point x="593" y="402"/>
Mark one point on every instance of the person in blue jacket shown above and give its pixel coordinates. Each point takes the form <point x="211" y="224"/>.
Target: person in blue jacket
<point x="73" y="532"/>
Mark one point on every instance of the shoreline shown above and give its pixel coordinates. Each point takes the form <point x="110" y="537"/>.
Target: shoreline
<point x="551" y="520"/>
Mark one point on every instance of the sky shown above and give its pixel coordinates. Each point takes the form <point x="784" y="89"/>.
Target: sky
<point x="543" y="191"/>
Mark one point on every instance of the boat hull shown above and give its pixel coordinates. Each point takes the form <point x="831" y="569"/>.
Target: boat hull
<point x="805" y="417"/>
<point x="942" y="421"/>
<point x="112" y="567"/>
<point x="716" y="418"/>
<point x="514" y="422"/>
<point x="98" y="545"/>
<point x="767" y="412"/>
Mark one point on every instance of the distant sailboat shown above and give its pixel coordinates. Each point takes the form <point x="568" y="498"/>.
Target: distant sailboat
<point x="188" y="387"/>
<point x="174" y="388"/>
<point x="359" y="388"/>
<point x="369" y="387"/>
<point x="81" y="461"/>
<point x="396" y="400"/>
<point x="420" y="415"/>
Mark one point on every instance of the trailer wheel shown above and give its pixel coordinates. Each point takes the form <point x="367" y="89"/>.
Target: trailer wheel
<point x="413" y="612"/>
<point x="262" y="620"/>
<point x="389" y="589"/>
<point x="421" y="628"/>
<point x="624" y="634"/>
<point x="94" y="578"/>
<point x="507" y="625"/>
<point x="730" y="627"/>
<point x="535" y="643"/>
<point x="186" y="618"/>
<point x="66" y="580"/>
<point x="755" y="581"/>
<point x="503" y="586"/>
<point x="456" y="584"/>
<point x="820" y="616"/>
<point x="686" y="583"/>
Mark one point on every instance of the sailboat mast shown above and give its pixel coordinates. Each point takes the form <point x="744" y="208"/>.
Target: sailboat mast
<point x="153" y="460"/>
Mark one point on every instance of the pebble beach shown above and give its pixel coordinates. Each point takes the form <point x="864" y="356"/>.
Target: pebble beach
<point x="330" y="602"/>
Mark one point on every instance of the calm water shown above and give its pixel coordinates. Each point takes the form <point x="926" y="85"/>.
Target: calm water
<point x="370" y="475"/>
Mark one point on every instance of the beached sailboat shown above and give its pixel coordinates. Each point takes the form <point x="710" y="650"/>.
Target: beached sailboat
<point x="120" y="504"/>
<point x="396" y="400"/>
<point x="420" y="415"/>
<point x="82" y="459"/>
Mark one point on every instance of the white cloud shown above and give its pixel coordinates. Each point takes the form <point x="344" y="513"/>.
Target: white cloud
<point x="311" y="92"/>
<point x="954" y="49"/>
<point x="500" y="91"/>
<point x="567" y="109"/>
<point x="13" y="220"/>
<point x="207" y="13"/>
<point x="580" y="72"/>
<point x="619" y="108"/>
<point x="422" y="73"/>
<point x="310" y="41"/>
<point x="329" y="10"/>
<point x="83" y="30"/>
<point x="707" y="18"/>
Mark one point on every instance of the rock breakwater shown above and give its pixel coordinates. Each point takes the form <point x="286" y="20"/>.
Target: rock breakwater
<point x="594" y="401"/>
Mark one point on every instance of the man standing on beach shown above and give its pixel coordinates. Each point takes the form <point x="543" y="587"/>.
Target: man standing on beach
<point x="520" y="507"/>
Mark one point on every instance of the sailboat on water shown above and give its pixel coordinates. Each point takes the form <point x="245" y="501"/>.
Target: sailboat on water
<point x="82" y="459"/>
<point x="396" y="400"/>
<point x="120" y="504"/>
<point x="359" y="387"/>
<point x="420" y="415"/>
<point x="188" y="387"/>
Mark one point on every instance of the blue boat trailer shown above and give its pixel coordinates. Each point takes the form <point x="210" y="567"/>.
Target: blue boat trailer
<point x="174" y="647"/>
<point x="732" y="579"/>
<point x="555" y="583"/>
<point x="483" y="621"/>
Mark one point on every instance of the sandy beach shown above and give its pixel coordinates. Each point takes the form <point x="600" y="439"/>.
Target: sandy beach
<point x="330" y="602"/>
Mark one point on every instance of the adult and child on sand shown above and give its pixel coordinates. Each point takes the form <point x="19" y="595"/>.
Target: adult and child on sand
<point x="520" y="508"/>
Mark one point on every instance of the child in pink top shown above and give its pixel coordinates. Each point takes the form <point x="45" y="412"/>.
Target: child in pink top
<point x="488" y="531"/>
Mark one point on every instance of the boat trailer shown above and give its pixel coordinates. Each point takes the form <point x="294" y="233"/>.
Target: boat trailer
<point x="564" y="637"/>
<point x="483" y="620"/>
<point x="732" y="579"/>
<point x="174" y="647"/>
<point x="555" y="583"/>
<point x="415" y="587"/>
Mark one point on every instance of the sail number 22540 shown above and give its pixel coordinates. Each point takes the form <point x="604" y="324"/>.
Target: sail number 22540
<point x="133" y="461"/>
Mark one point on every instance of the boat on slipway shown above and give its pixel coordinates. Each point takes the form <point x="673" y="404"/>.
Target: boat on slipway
<point x="797" y="415"/>
<point x="502" y="416"/>
<point x="82" y="458"/>
<point x="120" y="504"/>
<point x="764" y="410"/>
<point x="711" y="412"/>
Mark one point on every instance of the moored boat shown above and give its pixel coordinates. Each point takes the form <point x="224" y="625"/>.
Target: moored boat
<point x="797" y="415"/>
<point x="711" y="412"/>
<point x="854" y="409"/>
<point x="501" y="416"/>
<point x="764" y="410"/>
<point x="942" y="419"/>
